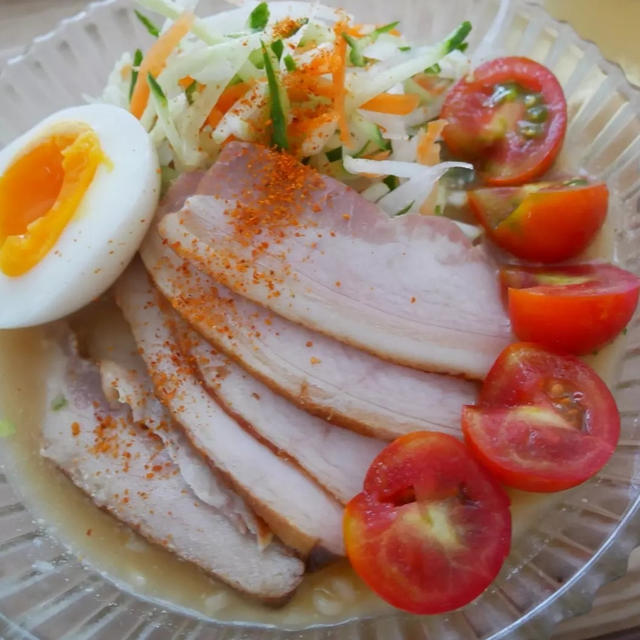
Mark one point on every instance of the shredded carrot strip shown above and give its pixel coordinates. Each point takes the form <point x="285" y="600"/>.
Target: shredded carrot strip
<point x="214" y="117"/>
<point x="185" y="82"/>
<point x="379" y="155"/>
<point x="228" y="98"/>
<point x="428" y="151"/>
<point x="432" y="84"/>
<point x="300" y="86"/>
<point x="396" y="104"/>
<point x="339" y="73"/>
<point x="231" y="95"/>
<point x="354" y="30"/>
<point x="395" y="32"/>
<point x="155" y="60"/>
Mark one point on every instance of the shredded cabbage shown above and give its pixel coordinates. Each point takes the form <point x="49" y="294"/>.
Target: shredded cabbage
<point x="213" y="87"/>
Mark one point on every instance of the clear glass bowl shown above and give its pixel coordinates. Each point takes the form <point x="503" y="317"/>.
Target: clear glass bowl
<point x="580" y="543"/>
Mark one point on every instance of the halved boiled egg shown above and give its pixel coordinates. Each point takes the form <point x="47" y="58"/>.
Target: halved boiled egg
<point x="77" y="194"/>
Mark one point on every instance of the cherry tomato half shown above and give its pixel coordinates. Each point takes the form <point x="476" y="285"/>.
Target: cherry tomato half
<point x="544" y="222"/>
<point x="544" y="421"/>
<point x="510" y="119"/>
<point x="576" y="308"/>
<point x="431" y="528"/>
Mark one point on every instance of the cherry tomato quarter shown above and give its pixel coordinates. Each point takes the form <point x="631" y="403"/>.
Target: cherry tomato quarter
<point x="431" y="528"/>
<point x="509" y="119"/>
<point x="545" y="222"/>
<point x="544" y="421"/>
<point x="576" y="308"/>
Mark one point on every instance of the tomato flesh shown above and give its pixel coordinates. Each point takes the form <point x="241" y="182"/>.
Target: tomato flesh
<point x="576" y="308"/>
<point x="544" y="421"/>
<point x="510" y="119"/>
<point x="431" y="528"/>
<point x="545" y="222"/>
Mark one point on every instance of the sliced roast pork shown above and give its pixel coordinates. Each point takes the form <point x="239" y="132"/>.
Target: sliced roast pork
<point x="130" y="384"/>
<point x="297" y="509"/>
<point x="331" y="379"/>
<point x="411" y="289"/>
<point x="336" y="458"/>
<point x="127" y="470"/>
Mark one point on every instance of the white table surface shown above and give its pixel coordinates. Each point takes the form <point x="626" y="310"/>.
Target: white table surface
<point x="616" y="610"/>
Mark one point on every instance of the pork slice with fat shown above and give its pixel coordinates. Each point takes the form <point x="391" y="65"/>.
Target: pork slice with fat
<point x="127" y="382"/>
<point x="126" y="470"/>
<point x="336" y="458"/>
<point x="298" y="510"/>
<point x="333" y="380"/>
<point x="410" y="289"/>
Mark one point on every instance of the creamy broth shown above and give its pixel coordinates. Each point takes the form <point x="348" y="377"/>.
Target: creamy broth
<point x="330" y="595"/>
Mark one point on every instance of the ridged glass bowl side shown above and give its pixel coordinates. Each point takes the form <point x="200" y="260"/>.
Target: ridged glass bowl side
<point x="581" y="542"/>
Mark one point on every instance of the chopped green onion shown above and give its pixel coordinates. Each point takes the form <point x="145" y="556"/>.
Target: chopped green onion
<point x="404" y="210"/>
<point x="157" y="91"/>
<point x="235" y="80"/>
<point x="7" y="428"/>
<point x="259" y="17"/>
<point x="279" y="136"/>
<point x="355" y="56"/>
<point x="434" y="69"/>
<point x="463" y="47"/>
<point x="278" y="48"/>
<point x="404" y="48"/>
<point x="334" y="154"/>
<point x="149" y="26"/>
<point x="190" y="90"/>
<point x="362" y="151"/>
<point x="438" y="210"/>
<point x="290" y="63"/>
<point x="256" y="59"/>
<point x="391" y="182"/>
<point x="58" y="402"/>
<point x="386" y="28"/>
<point x="137" y="61"/>
<point x="456" y="41"/>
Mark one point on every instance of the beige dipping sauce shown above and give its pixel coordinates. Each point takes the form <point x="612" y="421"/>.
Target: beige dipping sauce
<point x="330" y="595"/>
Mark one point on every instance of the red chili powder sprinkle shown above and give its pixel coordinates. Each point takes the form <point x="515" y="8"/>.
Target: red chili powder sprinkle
<point x="286" y="28"/>
<point x="282" y="189"/>
<point x="75" y="429"/>
<point x="309" y="344"/>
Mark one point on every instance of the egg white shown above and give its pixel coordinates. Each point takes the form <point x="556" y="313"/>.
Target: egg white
<point x="106" y="230"/>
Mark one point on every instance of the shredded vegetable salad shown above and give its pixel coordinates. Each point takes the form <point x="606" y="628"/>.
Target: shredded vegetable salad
<point x="356" y="101"/>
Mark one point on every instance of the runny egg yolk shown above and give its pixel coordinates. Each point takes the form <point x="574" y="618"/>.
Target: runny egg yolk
<point x="41" y="190"/>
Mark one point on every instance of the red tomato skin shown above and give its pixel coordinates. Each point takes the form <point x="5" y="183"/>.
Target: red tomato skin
<point x="465" y="111"/>
<point x="550" y="225"/>
<point x="523" y="377"/>
<point x="572" y="457"/>
<point x="388" y="541"/>
<point x="576" y="318"/>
